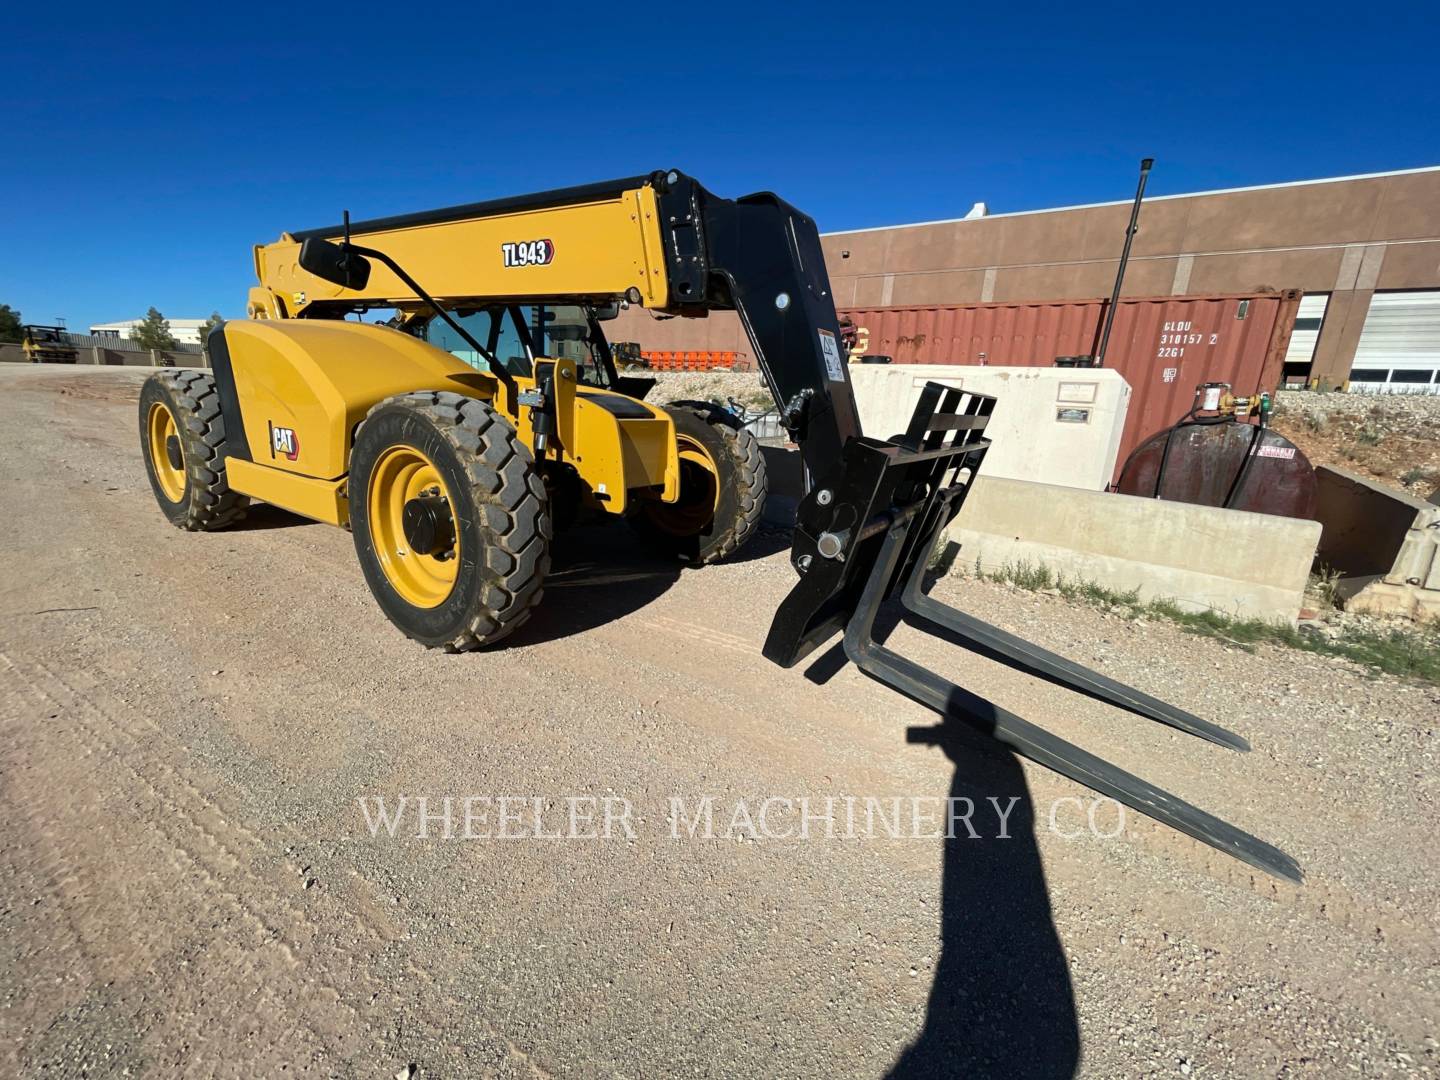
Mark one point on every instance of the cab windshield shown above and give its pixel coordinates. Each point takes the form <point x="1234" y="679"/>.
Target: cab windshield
<point x="515" y="334"/>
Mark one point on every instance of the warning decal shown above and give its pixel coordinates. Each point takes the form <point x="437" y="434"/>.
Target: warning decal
<point x="830" y="348"/>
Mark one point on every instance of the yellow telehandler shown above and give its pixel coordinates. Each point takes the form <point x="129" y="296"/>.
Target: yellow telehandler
<point x="452" y="439"/>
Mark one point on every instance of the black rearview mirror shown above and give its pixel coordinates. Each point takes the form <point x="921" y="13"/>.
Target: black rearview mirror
<point x="334" y="263"/>
<point x="606" y="312"/>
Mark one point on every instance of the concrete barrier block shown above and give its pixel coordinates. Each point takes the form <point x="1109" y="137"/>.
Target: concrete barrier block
<point x="1251" y="565"/>
<point x="1409" y="601"/>
<point x="1242" y="564"/>
<point x="1386" y="542"/>
<point x="1366" y="523"/>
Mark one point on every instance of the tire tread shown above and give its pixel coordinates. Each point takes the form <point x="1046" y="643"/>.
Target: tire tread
<point x="750" y="479"/>
<point x="507" y="490"/>
<point x="210" y="504"/>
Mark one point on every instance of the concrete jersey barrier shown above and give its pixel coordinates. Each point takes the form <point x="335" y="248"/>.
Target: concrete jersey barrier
<point x="1201" y="557"/>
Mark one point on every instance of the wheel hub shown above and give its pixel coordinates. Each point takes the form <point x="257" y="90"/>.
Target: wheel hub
<point x="429" y="525"/>
<point x="412" y="526"/>
<point x="166" y="455"/>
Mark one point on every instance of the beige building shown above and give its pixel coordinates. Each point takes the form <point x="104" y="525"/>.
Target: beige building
<point x="185" y="331"/>
<point x="1365" y="249"/>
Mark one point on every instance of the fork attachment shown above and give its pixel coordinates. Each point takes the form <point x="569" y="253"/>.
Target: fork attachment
<point x="865" y="533"/>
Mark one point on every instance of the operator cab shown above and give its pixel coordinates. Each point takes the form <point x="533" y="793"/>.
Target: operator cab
<point x="515" y="334"/>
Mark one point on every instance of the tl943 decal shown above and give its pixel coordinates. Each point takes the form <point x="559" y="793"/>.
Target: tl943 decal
<point x="528" y="253"/>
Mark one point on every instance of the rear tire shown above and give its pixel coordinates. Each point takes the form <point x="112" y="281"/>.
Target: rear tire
<point x="183" y="442"/>
<point x="499" y="512"/>
<point x="690" y="529"/>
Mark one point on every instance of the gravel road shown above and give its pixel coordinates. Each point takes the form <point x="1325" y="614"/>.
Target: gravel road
<point x="194" y="726"/>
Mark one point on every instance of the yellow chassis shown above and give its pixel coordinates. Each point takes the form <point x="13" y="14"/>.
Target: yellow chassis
<point x="303" y="386"/>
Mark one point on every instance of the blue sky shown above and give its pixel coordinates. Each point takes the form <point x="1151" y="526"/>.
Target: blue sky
<point x="151" y="147"/>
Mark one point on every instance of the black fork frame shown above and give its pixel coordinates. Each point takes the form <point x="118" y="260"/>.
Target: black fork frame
<point x="866" y="533"/>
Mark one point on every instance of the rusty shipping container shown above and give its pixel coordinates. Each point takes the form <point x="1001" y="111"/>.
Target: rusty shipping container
<point x="1164" y="346"/>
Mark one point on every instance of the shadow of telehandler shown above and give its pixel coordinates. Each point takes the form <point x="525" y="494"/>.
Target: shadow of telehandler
<point x="262" y="516"/>
<point x="598" y="573"/>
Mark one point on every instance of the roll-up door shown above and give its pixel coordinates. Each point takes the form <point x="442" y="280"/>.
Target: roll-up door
<point x="1399" y="348"/>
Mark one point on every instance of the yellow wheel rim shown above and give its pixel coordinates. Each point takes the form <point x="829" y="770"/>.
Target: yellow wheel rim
<point x="160" y="424"/>
<point x="403" y="473"/>
<point x="699" y="492"/>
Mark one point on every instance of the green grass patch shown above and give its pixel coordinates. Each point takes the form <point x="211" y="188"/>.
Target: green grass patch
<point x="1369" y="436"/>
<point x="1404" y="651"/>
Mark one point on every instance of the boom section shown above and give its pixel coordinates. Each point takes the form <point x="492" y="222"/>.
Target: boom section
<point x="604" y="243"/>
<point x="660" y="241"/>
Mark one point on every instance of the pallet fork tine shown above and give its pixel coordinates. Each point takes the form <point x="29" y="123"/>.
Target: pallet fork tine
<point x="980" y="635"/>
<point x="955" y="702"/>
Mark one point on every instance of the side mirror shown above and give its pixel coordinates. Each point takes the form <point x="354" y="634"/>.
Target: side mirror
<point x="606" y="312"/>
<point x="334" y="263"/>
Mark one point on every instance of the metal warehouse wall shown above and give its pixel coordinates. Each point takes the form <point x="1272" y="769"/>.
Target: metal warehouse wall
<point x="1345" y="237"/>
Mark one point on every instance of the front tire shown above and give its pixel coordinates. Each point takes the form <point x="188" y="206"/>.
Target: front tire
<point x="472" y="571"/>
<point x="183" y="441"/>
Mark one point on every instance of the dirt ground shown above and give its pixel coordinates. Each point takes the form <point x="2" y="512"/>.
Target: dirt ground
<point x="188" y="884"/>
<point x="745" y="388"/>
<point x="1394" y="438"/>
